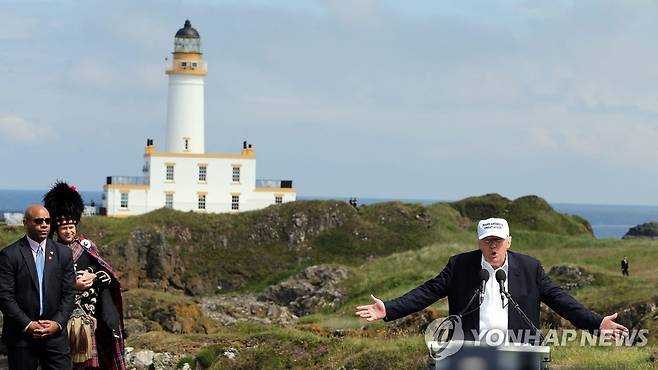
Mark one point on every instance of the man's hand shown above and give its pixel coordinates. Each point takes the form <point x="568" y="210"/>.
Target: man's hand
<point x="372" y="312"/>
<point x="47" y="328"/>
<point x="84" y="280"/>
<point x="610" y="328"/>
<point x="34" y="325"/>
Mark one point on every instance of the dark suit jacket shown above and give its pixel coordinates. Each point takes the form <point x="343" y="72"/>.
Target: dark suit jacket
<point x="527" y="283"/>
<point x="19" y="292"/>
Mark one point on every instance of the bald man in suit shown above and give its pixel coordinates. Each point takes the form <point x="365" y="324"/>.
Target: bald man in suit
<point x="37" y="292"/>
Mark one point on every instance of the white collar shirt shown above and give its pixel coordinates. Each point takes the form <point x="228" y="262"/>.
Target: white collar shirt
<point x="493" y="311"/>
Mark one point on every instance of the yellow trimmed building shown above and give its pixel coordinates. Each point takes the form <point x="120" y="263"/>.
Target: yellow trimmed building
<point x="183" y="176"/>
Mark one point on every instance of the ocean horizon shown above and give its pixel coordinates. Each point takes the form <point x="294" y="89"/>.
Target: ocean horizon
<point x="608" y="221"/>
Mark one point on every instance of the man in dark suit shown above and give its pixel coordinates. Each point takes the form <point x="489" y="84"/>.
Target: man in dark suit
<point x="37" y="291"/>
<point x="526" y="281"/>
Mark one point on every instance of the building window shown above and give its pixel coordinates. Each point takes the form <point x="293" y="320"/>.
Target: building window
<point x="235" y="202"/>
<point x="202" y="173"/>
<point x="187" y="144"/>
<point x="236" y="174"/>
<point x="194" y="65"/>
<point x="278" y="199"/>
<point x="124" y="200"/>
<point x="169" y="200"/>
<point x="170" y="173"/>
<point x="183" y="64"/>
<point x="202" y="201"/>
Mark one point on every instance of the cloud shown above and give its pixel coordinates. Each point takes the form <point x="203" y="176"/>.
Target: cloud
<point x="16" y="129"/>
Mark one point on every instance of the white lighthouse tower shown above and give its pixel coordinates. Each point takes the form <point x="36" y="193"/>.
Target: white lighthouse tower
<point x="184" y="176"/>
<point x="185" y="111"/>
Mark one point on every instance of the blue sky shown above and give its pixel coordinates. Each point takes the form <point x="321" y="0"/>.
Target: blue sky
<point x="396" y="99"/>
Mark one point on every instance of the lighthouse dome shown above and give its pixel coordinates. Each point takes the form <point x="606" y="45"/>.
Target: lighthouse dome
<point x="187" y="32"/>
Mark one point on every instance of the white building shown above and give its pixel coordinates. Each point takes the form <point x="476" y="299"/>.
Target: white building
<point x="183" y="176"/>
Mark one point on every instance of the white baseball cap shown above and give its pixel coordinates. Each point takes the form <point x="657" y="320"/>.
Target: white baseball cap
<point x="493" y="227"/>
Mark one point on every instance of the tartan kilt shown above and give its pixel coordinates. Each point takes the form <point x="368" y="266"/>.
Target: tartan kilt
<point x="111" y="351"/>
<point x="93" y="361"/>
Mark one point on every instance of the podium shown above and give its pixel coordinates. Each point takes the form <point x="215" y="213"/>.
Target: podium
<point x="479" y="356"/>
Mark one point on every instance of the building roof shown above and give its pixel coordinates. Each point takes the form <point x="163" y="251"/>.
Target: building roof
<point x="187" y="32"/>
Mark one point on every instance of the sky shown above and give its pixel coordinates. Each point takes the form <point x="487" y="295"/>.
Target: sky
<point x="389" y="99"/>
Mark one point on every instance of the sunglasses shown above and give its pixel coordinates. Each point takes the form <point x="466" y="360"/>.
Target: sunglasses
<point x="41" y="220"/>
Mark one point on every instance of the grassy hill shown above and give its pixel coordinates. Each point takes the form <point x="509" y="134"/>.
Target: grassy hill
<point x="168" y="259"/>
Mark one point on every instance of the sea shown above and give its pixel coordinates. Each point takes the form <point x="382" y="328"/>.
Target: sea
<point x="608" y="221"/>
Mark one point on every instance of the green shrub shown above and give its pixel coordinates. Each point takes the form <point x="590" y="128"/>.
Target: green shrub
<point x="185" y="360"/>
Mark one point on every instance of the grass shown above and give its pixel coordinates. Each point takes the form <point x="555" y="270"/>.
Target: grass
<point x="601" y="358"/>
<point x="9" y="234"/>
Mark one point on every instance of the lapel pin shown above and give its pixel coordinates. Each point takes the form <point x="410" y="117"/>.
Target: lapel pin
<point x="50" y="257"/>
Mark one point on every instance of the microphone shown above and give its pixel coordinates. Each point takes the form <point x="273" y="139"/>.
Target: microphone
<point x="484" y="277"/>
<point x="501" y="277"/>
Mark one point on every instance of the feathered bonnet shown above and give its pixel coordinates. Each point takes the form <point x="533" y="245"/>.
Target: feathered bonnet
<point x="64" y="204"/>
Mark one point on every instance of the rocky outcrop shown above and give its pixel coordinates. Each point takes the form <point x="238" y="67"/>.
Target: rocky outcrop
<point x="570" y="276"/>
<point x="647" y="230"/>
<point x="230" y="309"/>
<point x="314" y="288"/>
<point x="209" y="254"/>
<point x="146" y="311"/>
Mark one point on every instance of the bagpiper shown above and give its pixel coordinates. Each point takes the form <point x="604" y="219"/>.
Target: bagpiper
<point x="96" y="328"/>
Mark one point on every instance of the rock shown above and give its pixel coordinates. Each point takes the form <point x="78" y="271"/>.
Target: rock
<point x="186" y="366"/>
<point x="231" y="353"/>
<point x="229" y="309"/>
<point x="647" y="230"/>
<point x="152" y="311"/>
<point x="141" y="359"/>
<point x="165" y="361"/>
<point x="571" y="276"/>
<point x="314" y="288"/>
<point x="134" y="326"/>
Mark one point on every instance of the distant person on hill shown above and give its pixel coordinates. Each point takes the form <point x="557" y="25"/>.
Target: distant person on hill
<point x="624" y="266"/>
<point x="524" y="279"/>
<point x="37" y="291"/>
<point x="96" y="327"/>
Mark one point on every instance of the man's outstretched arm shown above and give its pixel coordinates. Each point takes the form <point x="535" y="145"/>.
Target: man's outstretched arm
<point x="566" y="306"/>
<point x="413" y="301"/>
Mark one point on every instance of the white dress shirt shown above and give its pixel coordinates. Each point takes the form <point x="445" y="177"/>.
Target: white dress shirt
<point x="492" y="313"/>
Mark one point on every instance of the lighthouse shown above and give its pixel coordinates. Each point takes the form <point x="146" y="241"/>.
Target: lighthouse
<point x="183" y="176"/>
<point x="185" y="108"/>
